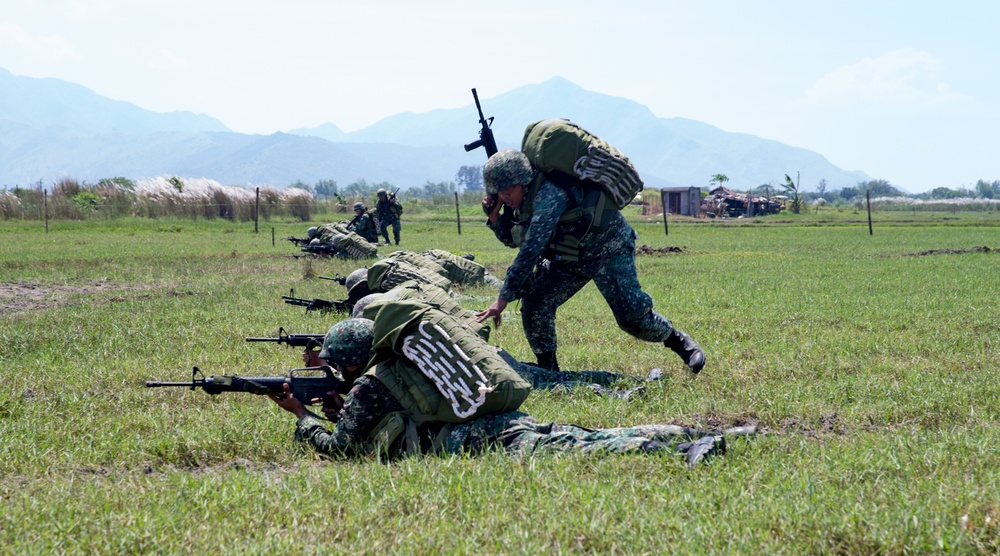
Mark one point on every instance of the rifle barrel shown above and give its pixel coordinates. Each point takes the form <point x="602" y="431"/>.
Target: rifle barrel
<point x="154" y="384"/>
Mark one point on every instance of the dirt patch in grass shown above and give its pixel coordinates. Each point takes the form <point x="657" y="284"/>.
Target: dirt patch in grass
<point x="666" y="250"/>
<point x="826" y="425"/>
<point x="20" y="297"/>
<point x="976" y="249"/>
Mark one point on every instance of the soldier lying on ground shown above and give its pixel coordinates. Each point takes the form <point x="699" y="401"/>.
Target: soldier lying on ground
<point x="335" y="239"/>
<point x="599" y="382"/>
<point x="407" y="399"/>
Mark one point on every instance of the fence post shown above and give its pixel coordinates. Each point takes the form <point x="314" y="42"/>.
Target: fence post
<point x="45" y="209"/>
<point x="868" y="200"/>
<point x="256" y="213"/>
<point x="458" y="215"/>
<point x="272" y="236"/>
<point x="663" y="201"/>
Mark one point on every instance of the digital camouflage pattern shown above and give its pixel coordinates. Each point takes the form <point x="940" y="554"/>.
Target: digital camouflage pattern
<point x="521" y="436"/>
<point x="506" y="168"/>
<point x="461" y="270"/>
<point x="365" y="227"/>
<point x="514" y="432"/>
<point x="607" y="257"/>
<point x="348" y="343"/>
<point x="387" y="213"/>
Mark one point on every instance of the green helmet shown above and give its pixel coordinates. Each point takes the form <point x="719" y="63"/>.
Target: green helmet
<point x="311" y="232"/>
<point x="506" y="168"/>
<point x="348" y="343"/>
<point x="359" y="206"/>
<point x="314" y="242"/>
<point x="381" y="191"/>
<point x="335" y="241"/>
<point x="355" y="278"/>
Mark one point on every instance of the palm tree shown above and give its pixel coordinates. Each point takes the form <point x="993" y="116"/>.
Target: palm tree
<point x="792" y="188"/>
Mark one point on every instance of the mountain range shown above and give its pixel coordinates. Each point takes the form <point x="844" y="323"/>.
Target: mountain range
<point x="52" y="129"/>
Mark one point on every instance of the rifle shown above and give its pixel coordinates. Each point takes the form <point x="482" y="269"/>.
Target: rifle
<point x="486" y="139"/>
<point x="342" y="280"/>
<point x="354" y="220"/>
<point x="293" y="340"/>
<point x="298" y="241"/>
<point x="315" y="382"/>
<point x="321" y="305"/>
<point x="321" y="249"/>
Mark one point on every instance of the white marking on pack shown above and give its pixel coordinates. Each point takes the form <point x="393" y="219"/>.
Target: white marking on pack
<point x="445" y="368"/>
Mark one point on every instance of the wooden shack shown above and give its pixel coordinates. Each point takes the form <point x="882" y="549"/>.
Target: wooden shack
<point x="684" y="201"/>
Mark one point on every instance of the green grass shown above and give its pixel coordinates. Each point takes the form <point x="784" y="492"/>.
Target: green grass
<point x="872" y="373"/>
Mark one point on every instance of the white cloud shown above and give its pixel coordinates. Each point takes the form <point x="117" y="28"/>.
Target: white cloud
<point x="167" y="61"/>
<point x="901" y="76"/>
<point x="51" y="48"/>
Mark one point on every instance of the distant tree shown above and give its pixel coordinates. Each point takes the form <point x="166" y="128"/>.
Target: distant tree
<point x="326" y="188"/>
<point x="470" y="178"/>
<point x="946" y="193"/>
<point x="792" y="188"/>
<point x="880" y="188"/>
<point x="821" y="188"/>
<point x="987" y="190"/>
<point x="431" y="189"/>
<point x="299" y="184"/>
<point x="718" y="179"/>
<point x="362" y="188"/>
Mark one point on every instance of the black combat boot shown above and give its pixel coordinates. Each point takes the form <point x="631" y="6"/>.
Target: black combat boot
<point x="683" y="345"/>
<point x="548" y="361"/>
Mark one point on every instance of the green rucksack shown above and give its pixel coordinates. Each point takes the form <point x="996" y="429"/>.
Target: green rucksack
<point x="438" y="299"/>
<point x="357" y="247"/>
<point x="559" y="145"/>
<point x="438" y="369"/>
<point x="387" y="273"/>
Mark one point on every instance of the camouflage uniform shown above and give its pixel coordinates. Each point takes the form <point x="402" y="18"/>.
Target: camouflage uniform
<point x="515" y="432"/>
<point x="387" y="214"/>
<point x="606" y="257"/>
<point x="365" y="227"/>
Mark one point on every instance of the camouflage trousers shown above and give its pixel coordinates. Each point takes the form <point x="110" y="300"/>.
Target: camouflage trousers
<point x="615" y="277"/>
<point x="520" y="435"/>
<point x="546" y="379"/>
<point x="383" y="229"/>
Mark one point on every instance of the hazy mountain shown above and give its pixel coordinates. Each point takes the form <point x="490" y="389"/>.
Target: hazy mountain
<point x="667" y="151"/>
<point x="45" y="103"/>
<point x="51" y="129"/>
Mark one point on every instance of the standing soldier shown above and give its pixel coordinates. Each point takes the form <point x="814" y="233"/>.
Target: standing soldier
<point x="568" y="234"/>
<point x="387" y="212"/>
<point x="363" y="224"/>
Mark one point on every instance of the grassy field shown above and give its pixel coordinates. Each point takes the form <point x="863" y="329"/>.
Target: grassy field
<point x="869" y="365"/>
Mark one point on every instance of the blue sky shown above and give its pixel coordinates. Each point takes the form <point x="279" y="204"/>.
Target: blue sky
<point x="905" y="91"/>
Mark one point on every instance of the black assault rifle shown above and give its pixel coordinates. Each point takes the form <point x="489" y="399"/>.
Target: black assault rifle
<point x="486" y="139"/>
<point x="321" y="305"/>
<point x="342" y="280"/>
<point x="298" y="241"/>
<point x="324" y="249"/>
<point x="306" y="383"/>
<point x="293" y="340"/>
